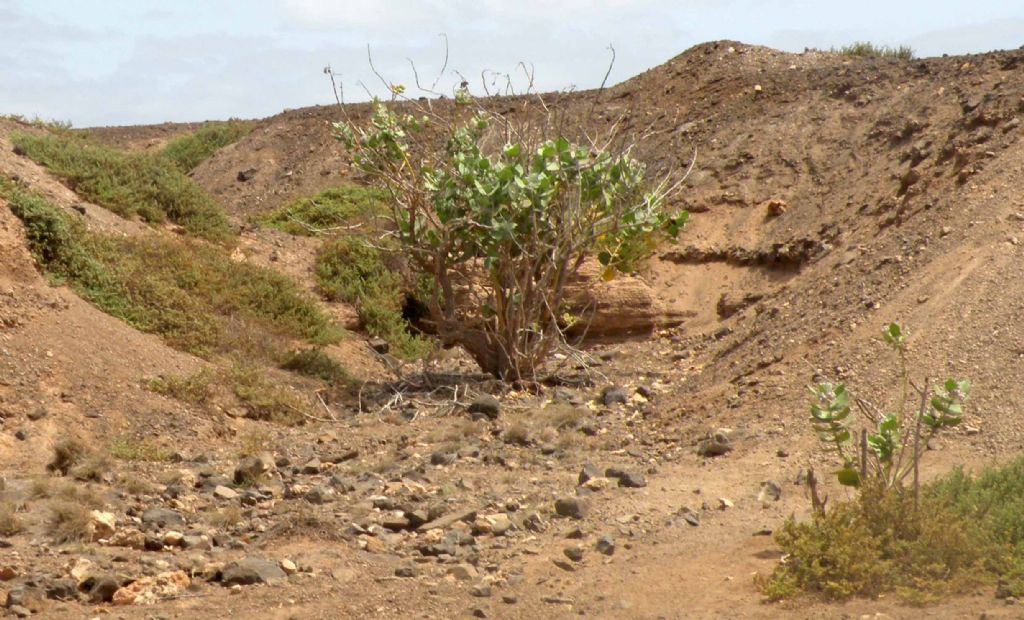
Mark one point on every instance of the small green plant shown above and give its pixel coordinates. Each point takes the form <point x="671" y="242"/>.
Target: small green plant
<point x="870" y="50"/>
<point x="329" y="212"/>
<point x="502" y="218"/>
<point x="893" y="449"/>
<point x="143" y="184"/>
<point x="187" y="152"/>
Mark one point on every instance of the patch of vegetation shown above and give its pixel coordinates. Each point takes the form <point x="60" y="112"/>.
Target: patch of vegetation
<point x="125" y="448"/>
<point x="187" y="152"/>
<point x="189" y="292"/>
<point x="317" y="364"/>
<point x="194" y="388"/>
<point x="38" y="121"/>
<point x="143" y="184"/>
<point x="264" y="399"/>
<point x="349" y="269"/>
<point x="876" y="544"/>
<point x="870" y="50"/>
<point x="327" y="212"/>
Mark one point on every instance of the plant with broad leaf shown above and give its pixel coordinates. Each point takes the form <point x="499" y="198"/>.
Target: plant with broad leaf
<point x="502" y="218"/>
<point x="891" y="450"/>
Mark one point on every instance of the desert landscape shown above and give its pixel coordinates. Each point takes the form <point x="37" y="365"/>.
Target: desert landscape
<point x="208" y="408"/>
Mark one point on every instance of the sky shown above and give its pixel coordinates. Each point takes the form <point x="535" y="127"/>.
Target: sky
<point x="126" y="62"/>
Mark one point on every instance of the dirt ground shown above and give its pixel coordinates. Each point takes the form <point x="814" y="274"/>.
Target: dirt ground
<point x="830" y="196"/>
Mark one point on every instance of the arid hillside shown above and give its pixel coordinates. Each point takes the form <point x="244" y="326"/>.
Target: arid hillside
<point x="218" y="471"/>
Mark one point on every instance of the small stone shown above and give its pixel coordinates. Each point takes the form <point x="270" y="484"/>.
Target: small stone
<point x="574" y="507"/>
<point x="379" y="345"/>
<point x="463" y="572"/>
<point x="226" y="493"/>
<point x="484" y="406"/>
<point x="509" y="599"/>
<point x="289" y="567"/>
<point x="441" y="457"/>
<point x="62" y="589"/>
<point x="173" y="538"/>
<point x="479" y="612"/>
<point x="589" y="472"/>
<point x="626" y="479"/>
<point x="406" y="571"/>
<point x="770" y="492"/>
<point x="253" y="468"/>
<point x="162" y="518"/>
<point x="724" y="503"/>
<point x="102" y="524"/>
<point x="246" y="175"/>
<point x="312" y="467"/>
<point x="320" y="494"/>
<point x="716" y="444"/>
<point x="614" y="395"/>
<point x="102" y="591"/>
<point x="481" y="590"/>
<point x="250" y="571"/>
<point x="598" y="484"/>
<point x="605" y="545"/>
<point x="574" y="553"/>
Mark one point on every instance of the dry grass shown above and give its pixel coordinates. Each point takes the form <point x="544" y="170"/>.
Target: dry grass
<point x="69" y="522"/>
<point x="10" y="522"/>
<point x="226" y="517"/>
<point x="128" y="449"/>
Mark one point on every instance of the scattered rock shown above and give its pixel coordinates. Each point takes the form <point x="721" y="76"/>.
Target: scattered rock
<point x="574" y="507"/>
<point x="574" y="553"/>
<point x="605" y="545"/>
<point x="441" y="457"/>
<point x="627" y="479"/>
<point x="406" y="571"/>
<point x="613" y="395"/>
<point x="253" y="468"/>
<point x="102" y="524"/>
<point x="484" y="406"/>
<point x="250" y="571"/>
<point x="463" y="572"/>
<point x="246" y="175"/>
<point x="223" y="492"/>
<point x="776" y="207"/>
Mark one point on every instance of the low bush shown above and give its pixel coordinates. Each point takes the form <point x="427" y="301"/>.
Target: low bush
<point x="349" y="269"/>
<point x="145" y="184"/>
<point x="315" y="363"/>
<point x="876" y="544"/>
<point x="327" y="212"/>
<point x="187" y="152"/>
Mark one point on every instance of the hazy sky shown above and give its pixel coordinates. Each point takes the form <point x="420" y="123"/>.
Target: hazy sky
<point x="102" y="62"/>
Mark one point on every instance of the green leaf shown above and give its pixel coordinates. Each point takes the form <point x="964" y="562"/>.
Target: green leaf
<point x="848" y="477"/>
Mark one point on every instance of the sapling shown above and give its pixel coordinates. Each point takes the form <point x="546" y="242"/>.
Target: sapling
<point x="892" y="450"/>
